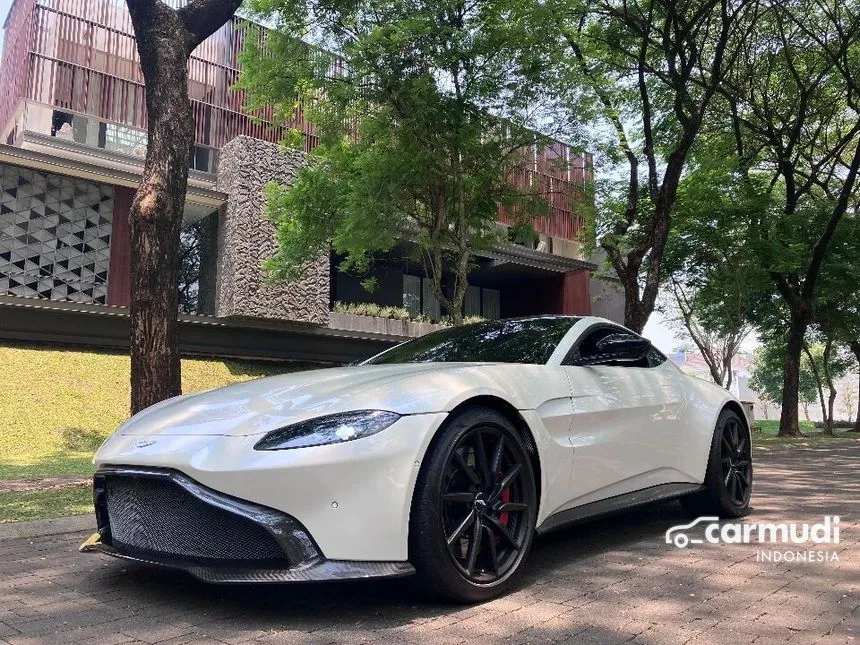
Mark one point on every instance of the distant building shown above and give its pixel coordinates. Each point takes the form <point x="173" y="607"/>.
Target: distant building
<point x="73" y="127"/>
<point x="691" y="362"/>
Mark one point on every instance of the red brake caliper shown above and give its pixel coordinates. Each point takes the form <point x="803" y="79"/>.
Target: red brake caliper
<point x="505" y="497"/>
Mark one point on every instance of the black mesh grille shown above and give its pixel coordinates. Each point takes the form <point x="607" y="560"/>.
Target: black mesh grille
<point x="152" y="516"/>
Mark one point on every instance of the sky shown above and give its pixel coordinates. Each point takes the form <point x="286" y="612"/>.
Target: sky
<point x="656" y="331"/>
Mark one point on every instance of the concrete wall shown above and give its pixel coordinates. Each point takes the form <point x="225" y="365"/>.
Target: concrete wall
<point x="246" y="238"/>
<point x="607" y="299"/>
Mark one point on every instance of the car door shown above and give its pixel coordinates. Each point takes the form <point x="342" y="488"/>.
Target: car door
<point x="627" y="421"/>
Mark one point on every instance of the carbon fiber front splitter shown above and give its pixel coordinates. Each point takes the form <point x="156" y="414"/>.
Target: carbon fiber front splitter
<point x="319" y="571"/>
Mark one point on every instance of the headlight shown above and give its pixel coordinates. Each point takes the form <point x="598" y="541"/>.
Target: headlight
<point x="334" y="428"/>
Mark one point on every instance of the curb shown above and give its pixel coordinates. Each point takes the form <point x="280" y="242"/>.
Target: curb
<point x="54" y="526"/>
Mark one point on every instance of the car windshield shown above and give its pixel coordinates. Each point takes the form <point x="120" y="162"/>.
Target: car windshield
<point x="524" y="340"/>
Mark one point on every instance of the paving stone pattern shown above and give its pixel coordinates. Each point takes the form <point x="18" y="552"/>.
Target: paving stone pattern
<point x="609" y="581"/>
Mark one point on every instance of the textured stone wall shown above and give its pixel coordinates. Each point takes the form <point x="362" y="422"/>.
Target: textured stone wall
<point x="247" y="238"/>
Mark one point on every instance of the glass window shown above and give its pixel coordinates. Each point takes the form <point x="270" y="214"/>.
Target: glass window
<point x="492" y="304"/>
<point x="120" y="138"/>
<point x="431" y="307"/>
<point x="524" y="340"/>
<point x="412" y="294"/>
<point x="473" y="301"/>
<point x="198" y="244"/>
<point x="655" y="357"/>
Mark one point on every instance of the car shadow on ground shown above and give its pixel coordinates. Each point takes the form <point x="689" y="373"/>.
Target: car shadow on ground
<point x="368" y="604"/>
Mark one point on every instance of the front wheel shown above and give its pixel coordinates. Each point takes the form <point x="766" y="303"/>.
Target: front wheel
<point x="474" y="508"/>
<point x="729" y="475"/>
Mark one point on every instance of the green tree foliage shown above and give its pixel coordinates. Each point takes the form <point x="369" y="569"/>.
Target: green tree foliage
<point x="707" y="248"/>
<point x="783" y="140"/>
<point x="418" y="133"/>
<point x="837" y="309"/>
<point x="713" y="284"/>
<point x="827" y="363"/>
<point x="793" y="105"/>
<point x="766" y="375"/>
<point x="646" y="70"/>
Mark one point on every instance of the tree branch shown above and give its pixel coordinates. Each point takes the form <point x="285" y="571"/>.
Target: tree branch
<point x="202" y="18"/>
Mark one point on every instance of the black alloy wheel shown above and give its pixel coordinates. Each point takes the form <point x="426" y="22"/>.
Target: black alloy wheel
<point x="736" y="461"/>
<point x="483" y="504"/>
<point x="729" y="475"/>
<point x="474" y="509"/>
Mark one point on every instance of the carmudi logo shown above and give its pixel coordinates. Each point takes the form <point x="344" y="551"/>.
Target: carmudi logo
<point x="770" y="533"/>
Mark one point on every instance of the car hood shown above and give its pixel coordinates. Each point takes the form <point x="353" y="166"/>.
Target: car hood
<point x="262" y="405"/>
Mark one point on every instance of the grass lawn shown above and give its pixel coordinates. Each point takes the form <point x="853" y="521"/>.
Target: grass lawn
<point x="767" y="438"/>
<point x="769" y="427"/>
<point x="58" y="405"/>
<point x="36" y="505"/>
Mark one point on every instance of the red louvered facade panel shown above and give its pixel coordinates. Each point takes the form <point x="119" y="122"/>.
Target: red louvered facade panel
<point x="79" y="57"/>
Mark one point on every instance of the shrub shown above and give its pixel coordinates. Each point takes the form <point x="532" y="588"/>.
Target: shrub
<point x="836" y="424"/>
<point x="394" y="313"/>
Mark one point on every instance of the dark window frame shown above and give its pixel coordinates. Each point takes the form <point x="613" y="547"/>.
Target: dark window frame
<point x="655" y="357"/>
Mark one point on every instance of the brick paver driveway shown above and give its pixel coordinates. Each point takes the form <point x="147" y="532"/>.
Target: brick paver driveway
<point x="610" y="581"/>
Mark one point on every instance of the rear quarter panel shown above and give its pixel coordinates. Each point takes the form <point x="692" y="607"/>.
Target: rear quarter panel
<point x="705" y="401"/>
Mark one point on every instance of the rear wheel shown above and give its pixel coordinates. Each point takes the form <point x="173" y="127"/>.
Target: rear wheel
<point x="474" y="509"/>
<point x="729" y="476"/>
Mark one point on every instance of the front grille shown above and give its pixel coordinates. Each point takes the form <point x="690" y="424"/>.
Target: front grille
<point x="157" y="518"/>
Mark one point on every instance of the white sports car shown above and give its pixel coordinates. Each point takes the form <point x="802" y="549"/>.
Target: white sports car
<point x="442" y="456"/>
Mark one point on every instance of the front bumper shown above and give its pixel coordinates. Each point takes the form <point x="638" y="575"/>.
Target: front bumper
<point x="354" y="497"/>
<point x="162" y="517"/>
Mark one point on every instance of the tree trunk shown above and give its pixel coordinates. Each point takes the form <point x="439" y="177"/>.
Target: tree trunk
<point x="155" y="219"/>
<point x="788" y="421"/>
<point x="819" y="387"/>
<point x="855" y="349"/>
<point x="165" y="39"/>
<point x="461" y="283"/>
<point x="635" y="315"/>
<point x="831" y="395"/>
<point x="729" y="376"/>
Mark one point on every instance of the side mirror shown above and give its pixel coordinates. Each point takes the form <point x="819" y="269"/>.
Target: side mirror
<point x="625" y="348"/>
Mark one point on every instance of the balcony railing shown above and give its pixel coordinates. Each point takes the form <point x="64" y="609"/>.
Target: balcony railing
<point x="94" y="133"/>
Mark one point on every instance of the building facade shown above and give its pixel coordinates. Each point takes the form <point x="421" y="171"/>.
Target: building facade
<point x="72" y="142"/>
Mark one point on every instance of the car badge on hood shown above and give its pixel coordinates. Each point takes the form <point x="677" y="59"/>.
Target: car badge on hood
<point x="143" y="443"/>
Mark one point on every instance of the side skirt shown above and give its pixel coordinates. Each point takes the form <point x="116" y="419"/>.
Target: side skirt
<point x="615" y="504"/>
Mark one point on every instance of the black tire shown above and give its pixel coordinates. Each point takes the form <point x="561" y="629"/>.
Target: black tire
<point x="478" y="468"/>
<point x="729" y="475"/>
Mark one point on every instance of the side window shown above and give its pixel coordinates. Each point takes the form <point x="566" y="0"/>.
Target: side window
<point x="587" y="346"/>
<point x="656" y="357"/>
